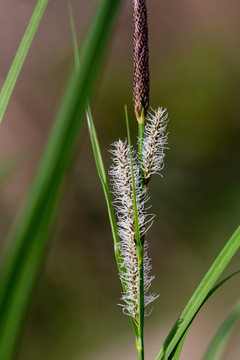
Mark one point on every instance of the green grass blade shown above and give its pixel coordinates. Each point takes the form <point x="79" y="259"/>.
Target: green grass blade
<point x="199" y="296"/>
<point x="220" y="340"/>
<point x="21" y="54"/>
<point x="178" y="348"/>
<point x="175" y="355"/>
<point x="30" y="235"/>
<point x="74" y="38"/>
<point x="111" y="214"/>
<point x="103" y="178"/>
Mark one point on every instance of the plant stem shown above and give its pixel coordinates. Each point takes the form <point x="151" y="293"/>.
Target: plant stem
<point x="140" y="351"/>
<point x="30" y="236"/>
<point x="140" y="342"/>
<point x="141" y="252"/>
<point x="139" y="247"/>
<point x="140" y="148"/>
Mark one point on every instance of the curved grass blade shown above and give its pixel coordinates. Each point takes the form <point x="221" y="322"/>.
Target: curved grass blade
<point x="175" y="355"/>
<point x="74" y="38"/>
<point x="30" y="236"/>
<point x="103" y="177"/>
<point x="199" y="296"/>
<point x="220" y="340"/>
<point x="20" y="56"/>
<point x="178" y="348"/>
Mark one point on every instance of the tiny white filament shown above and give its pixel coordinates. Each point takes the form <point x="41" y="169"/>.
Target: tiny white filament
<point x="154" y="143"/>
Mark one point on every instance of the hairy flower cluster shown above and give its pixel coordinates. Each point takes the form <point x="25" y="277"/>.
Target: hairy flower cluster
<point x="124" y="205"/>
<point x="154" y="142"/>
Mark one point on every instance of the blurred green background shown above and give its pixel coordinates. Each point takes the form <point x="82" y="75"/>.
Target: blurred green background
<point x="195" y="73"/>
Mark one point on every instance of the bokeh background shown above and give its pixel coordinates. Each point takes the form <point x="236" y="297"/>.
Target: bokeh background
<point x="195" y="73"/>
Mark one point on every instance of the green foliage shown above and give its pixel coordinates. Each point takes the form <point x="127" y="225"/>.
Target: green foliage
<point x="199" y="296"/>
<point x="74" y="38"/>
<point x="175" y="355"/>
<point x="30" y="237"/>
<point x="21" y="54"/>
<point x="218" y="344"/>
<point x="103" y="177"/>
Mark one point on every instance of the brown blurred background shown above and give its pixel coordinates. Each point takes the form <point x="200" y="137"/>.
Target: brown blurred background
<point x="195" y="73"/>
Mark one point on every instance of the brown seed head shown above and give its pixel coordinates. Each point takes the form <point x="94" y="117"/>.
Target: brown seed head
<point x="140" y="59"/>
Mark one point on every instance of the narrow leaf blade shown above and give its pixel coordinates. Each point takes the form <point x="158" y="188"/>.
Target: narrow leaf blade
<point x="21" y="54"/>
<point x="220" y="340"/>
<point x="178" y="348"/>
<point x="199" y="296"/>
<point x="111" y="214"/>
<point x="30" y="236"/>
<point x="74" y="38"/>
<point x="103" y="178"/>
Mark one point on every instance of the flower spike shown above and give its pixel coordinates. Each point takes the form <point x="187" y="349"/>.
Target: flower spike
<point x="140" y="57"/>
<point x="154" y="143"/>
<point x="122" y="185"/>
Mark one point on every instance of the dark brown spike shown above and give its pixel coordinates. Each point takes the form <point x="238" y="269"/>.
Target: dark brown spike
<point x="140" y="59"/>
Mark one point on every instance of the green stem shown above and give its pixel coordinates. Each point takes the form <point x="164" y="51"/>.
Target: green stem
<point x="140" y="148"/>
<point x="140" y="344"/>
<point x="140" y="351"/>
<point x="139" y="246"/>
<point x="141" y="250"/>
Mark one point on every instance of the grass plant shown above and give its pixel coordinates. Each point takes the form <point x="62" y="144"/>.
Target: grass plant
<point x="131" y="175"/>
<point x="21" y="54"/>
<point x="220" y="341"/>
<point x="29" y="238"/>
<point x="128" y="209"/>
